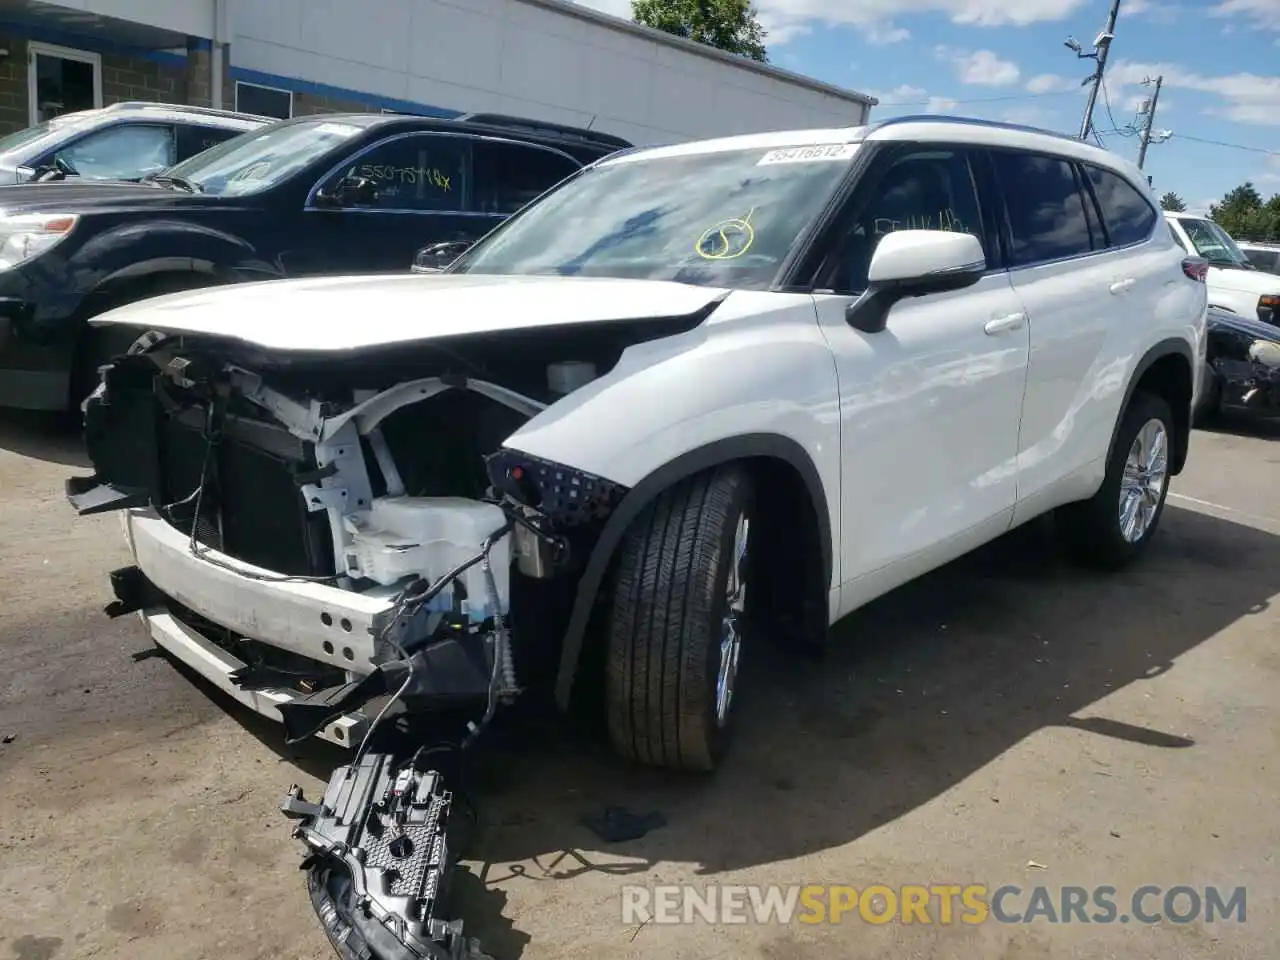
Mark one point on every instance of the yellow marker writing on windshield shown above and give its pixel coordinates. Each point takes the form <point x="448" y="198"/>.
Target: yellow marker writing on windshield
<point x="727" y="239"/>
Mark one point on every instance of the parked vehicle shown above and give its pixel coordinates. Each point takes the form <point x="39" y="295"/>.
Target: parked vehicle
<point x="1235" y="284"/>
<point x="1242" y="368"/>
<point x="1263" y="256"/>
<point x="353" y="193"/>
<point x="676" y="407"/>
<point x="125" y="141"/>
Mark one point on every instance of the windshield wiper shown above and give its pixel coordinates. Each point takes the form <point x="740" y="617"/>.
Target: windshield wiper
<point x="182" y="183"/>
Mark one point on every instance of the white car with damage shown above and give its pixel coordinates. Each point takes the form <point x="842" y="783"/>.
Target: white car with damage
<point x="694" y="399"/>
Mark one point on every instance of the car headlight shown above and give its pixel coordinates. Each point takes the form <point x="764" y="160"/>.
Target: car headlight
<point x="28" y="235"/>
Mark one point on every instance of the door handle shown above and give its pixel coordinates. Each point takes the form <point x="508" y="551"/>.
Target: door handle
<point x="1123" y="286"/>
<point x="1011" y="321"/>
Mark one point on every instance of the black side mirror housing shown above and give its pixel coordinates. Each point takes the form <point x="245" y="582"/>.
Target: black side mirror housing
<point x="434" y="257"/>
<point x="348" y="192"/>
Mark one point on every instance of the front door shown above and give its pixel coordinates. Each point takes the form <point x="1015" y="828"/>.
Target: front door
<point x="61" y="80"/>
<point x="930" y="406"/>
<point x="419" y="190"/>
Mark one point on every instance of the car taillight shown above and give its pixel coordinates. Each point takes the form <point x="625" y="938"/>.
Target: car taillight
<point x="1197" y="268"/>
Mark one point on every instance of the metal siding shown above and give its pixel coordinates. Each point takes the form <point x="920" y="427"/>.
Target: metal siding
<point x="512" y="57"/>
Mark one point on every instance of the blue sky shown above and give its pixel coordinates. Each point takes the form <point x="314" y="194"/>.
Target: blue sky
<point x="1005" y="60"/>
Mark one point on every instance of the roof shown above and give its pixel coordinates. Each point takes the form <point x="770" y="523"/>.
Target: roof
<point x="522" y="128"/>
<point x="925" y="128"/>
<point x="700" y="49"/>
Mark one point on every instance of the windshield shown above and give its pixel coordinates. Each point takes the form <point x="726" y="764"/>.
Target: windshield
<point x="24" y="136"/>
<point x="726" y="218"/>
<point x="1213" y="243"/>
<point x="261" y="158"/>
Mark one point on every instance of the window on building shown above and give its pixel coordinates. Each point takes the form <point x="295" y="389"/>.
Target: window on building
<point x="418" y="172"/>
<point x="263" y="101"/>
<point x="1046" y="207"/>
<point x="506" y="176"/>
<point x="122" y="152"/>
<point x="929" y="191"/>
<point x="1129" y="217"/>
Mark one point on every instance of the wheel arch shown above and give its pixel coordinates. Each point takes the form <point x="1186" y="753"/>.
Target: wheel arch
<point x="759" y="451"/>
<point x="1167" y="369"/>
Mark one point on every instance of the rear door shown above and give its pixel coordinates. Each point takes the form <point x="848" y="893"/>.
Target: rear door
<point x="1088" y="300"/>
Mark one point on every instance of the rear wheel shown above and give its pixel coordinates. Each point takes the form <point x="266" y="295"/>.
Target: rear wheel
<point x="1118" y="522"/>
<point x="678" y="621"/>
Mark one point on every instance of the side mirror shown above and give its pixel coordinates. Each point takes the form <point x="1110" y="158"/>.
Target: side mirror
<point x="348" y="192"/>
<point x="914" y="263"/>
<point x="434" y="257"/>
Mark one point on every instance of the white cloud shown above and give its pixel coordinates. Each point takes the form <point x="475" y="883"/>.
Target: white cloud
<point x="981" y="67"/>
<point x="902" y="96"/>
<point x="882" y="34"/>
<point x="785" y="19"/>
<point x="1052" y="83"/>
<point x="1247" y="98"/>
<point x="1265" y="13"/>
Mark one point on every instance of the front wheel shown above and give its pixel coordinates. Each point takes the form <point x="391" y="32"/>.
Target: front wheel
<point x="1118" y="522"/>
<point x="677" y="623"/>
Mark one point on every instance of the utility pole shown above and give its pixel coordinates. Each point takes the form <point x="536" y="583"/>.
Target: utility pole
<point x="1101" y="46"/>
<point x="1151" y="119"/>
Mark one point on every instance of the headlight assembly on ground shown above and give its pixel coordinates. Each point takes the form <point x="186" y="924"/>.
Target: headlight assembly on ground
<point x="936" y="904"/>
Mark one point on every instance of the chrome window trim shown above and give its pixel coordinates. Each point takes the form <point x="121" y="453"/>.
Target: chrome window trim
<point x="309" y="205"/>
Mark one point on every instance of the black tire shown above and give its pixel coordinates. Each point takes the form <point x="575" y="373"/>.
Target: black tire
<point x="1092" y="529"/>
<point x="98" y="346"/>
<point x="664" y="625"/>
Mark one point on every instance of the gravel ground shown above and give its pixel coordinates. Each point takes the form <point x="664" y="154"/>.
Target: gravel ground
<point x="1003" y="712"/>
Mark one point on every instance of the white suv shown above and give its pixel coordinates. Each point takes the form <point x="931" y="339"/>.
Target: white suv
<point x="693" y="399"/>
<point x="1235" y="283"/>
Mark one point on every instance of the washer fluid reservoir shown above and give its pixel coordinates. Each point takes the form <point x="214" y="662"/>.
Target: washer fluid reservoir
<point x="427" y="537"/>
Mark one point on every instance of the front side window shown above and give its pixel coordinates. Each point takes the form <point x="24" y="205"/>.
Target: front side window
<point x="1046" y="207"/>
<point x="1213" y="243"/>
<point x="1264" y="259"/>
<point x="193" y="138"/>
<point x="724" y="218"/>
<point x="262" y="158"/>
<point x="933" y="190"/>
<point x="124" y="152"/>
<point x="1129" y="218"/>
<point x="506" y="176"/>
<point x="421" y="172"/>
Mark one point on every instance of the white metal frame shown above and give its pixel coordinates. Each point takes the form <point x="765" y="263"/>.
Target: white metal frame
<point x="262" y="86"/>
<point x="35" y="49"/>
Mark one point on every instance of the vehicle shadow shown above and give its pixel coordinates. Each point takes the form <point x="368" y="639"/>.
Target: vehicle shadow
<point x="42" y="436"/>
<point x="1239" y="425"/>
<point x="919" y="689"/>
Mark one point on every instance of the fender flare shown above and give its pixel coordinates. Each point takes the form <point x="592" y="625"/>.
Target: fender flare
<point x="1173" y="346"/>
<point x="714" y="454"/>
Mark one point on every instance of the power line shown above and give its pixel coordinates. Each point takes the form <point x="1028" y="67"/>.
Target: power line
<point x="1223" y="143"/>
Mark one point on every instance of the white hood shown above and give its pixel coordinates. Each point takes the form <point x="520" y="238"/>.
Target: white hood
<point x="1245" y="281"/>
<point x="344" y="313"/>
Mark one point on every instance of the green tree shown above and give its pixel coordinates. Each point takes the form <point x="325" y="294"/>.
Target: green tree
<point x="729" y="25"/>
<point x="1172" y="202"/>
<point x="1244" y="216"/>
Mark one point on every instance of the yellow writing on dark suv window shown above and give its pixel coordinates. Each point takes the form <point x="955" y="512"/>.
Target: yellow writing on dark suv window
<point x="388" y="173"/>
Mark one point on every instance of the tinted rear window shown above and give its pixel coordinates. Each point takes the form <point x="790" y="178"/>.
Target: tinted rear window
<point x="1129" y="217"/>
<point x="1046" y="207"/>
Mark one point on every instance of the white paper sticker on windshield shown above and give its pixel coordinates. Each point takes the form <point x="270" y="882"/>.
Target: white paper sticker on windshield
<point x="337" y="129"/>
<point x="817" y="153"/>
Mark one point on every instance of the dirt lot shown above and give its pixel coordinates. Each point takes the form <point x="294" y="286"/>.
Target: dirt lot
<point x="1004" y="712"/>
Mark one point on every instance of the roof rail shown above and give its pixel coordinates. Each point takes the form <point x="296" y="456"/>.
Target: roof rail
<point x="186" y="108"/>
<point x="973" y="121"/>
<point x="545" y="127"/>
